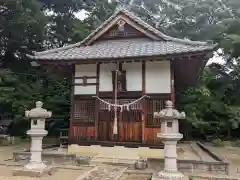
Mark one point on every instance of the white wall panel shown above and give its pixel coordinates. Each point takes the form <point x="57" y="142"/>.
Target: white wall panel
<point x="105" y="79"/>
<point x="158" y="75"/>
<point x="133" y="76"/>
<point x="85" y="70"/>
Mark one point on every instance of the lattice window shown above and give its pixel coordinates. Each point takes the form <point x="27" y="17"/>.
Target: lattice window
<point x="153" y="105"/>
<point x="84" y="112"/>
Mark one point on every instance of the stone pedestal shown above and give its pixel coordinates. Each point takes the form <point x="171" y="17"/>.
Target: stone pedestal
<point x="36" y="167"/>
<point x="170" y="136"/>
<point x="170" y="158"/>
<point x="36" y="150"/>
<point x="165" y="175"/>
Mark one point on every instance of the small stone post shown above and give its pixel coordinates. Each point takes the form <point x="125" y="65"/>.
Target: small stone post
<point x="170" y="136"/>
<point x="35" y="167"/>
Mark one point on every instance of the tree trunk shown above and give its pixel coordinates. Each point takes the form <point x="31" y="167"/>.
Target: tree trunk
<point x="229" y="136"/>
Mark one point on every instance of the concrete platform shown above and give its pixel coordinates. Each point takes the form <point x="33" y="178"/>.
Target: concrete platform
<point x="116" y="151"/>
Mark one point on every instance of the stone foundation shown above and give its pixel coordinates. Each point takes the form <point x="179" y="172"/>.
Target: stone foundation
<point x="48" y="158"/>
<point x="193" y="166"/>
<point x="34" y="172"/>
<point x="157" y="164"/>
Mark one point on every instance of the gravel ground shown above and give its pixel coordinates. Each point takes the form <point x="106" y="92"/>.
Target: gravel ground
<point x="231" y="155"/>
<point x="134" y="177"/>
<point x="61" y="174"/>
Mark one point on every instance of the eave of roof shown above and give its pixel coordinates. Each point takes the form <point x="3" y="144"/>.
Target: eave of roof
<point x="117" y="49"/>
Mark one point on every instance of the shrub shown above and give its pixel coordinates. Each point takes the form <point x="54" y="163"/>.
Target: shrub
<point x="218" y="142"/>
<point x="237" y="143"/>
<point x="190" y="178"/>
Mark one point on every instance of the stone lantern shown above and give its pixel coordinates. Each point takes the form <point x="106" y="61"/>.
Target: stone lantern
<point x="38" y="116"/>
<point x="170" y="136"/>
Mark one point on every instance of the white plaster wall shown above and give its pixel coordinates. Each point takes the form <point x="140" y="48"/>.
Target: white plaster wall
<point x="105" y="79"/>
<point x="158" y="75"/>
<point x="133" y="76"/>
<point x="85" y="70"/>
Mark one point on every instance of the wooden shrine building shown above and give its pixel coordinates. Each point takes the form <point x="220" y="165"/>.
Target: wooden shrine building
<point x="123" y="72"/>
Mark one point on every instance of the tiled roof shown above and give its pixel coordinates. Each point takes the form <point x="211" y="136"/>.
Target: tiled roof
<point x="110" y="49"/>
<point x="124" y="48"/>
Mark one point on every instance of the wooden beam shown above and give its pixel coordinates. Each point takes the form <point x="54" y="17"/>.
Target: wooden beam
<point x="70" y="132"/>
<point x="88" y="77"/>
<point x="85" y="84"/>
<point x="127" y="95"/>
<point x="172" y="83"/>
<point x="144" y="100"/>
<point x="97" y="103"/>
<point x="120" y="65"/>
<point x="143" y="78"/>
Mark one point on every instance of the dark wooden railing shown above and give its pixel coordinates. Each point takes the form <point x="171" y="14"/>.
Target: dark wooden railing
<point x="6" y="116"/>
<point x="6" y="122"/>
<point x="63" y="137"/>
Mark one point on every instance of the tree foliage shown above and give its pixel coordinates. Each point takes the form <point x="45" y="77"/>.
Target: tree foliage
<point x="212" y="106"/>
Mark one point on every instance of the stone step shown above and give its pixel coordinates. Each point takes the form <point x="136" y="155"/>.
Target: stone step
<point x="200" y="153"/>
<point x="212" y="177"/>
<point x="103" y="173"/>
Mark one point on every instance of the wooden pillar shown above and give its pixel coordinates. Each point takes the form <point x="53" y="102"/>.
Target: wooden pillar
<point x="70" y="132"/>
<point x="172" y="83"/>
<point x="97" y="102"/>
<point x="144" y="100"/>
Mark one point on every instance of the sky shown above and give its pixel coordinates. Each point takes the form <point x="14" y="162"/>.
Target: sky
<point x="81" y="15"/>
<point x="216" y="58"/>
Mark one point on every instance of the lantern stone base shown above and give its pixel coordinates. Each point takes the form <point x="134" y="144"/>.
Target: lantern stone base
<point x="35" y="165"/>
<point x="164" y="175"/>
<point x="34" y="172"/>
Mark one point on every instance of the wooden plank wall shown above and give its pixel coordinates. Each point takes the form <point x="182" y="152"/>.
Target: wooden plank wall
<point x="129" y="126"/>
<point x="82" y="133"/>
<point x="150" y="136"/>
<point x="130" y="123"/>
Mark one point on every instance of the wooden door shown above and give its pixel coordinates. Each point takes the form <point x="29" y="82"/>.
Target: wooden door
<point x="105" y="127"/>
<point x="129" y="124"/>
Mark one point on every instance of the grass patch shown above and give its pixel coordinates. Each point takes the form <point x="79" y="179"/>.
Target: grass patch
<point x="236" y="143"/>
<point x="190" y="178"/>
